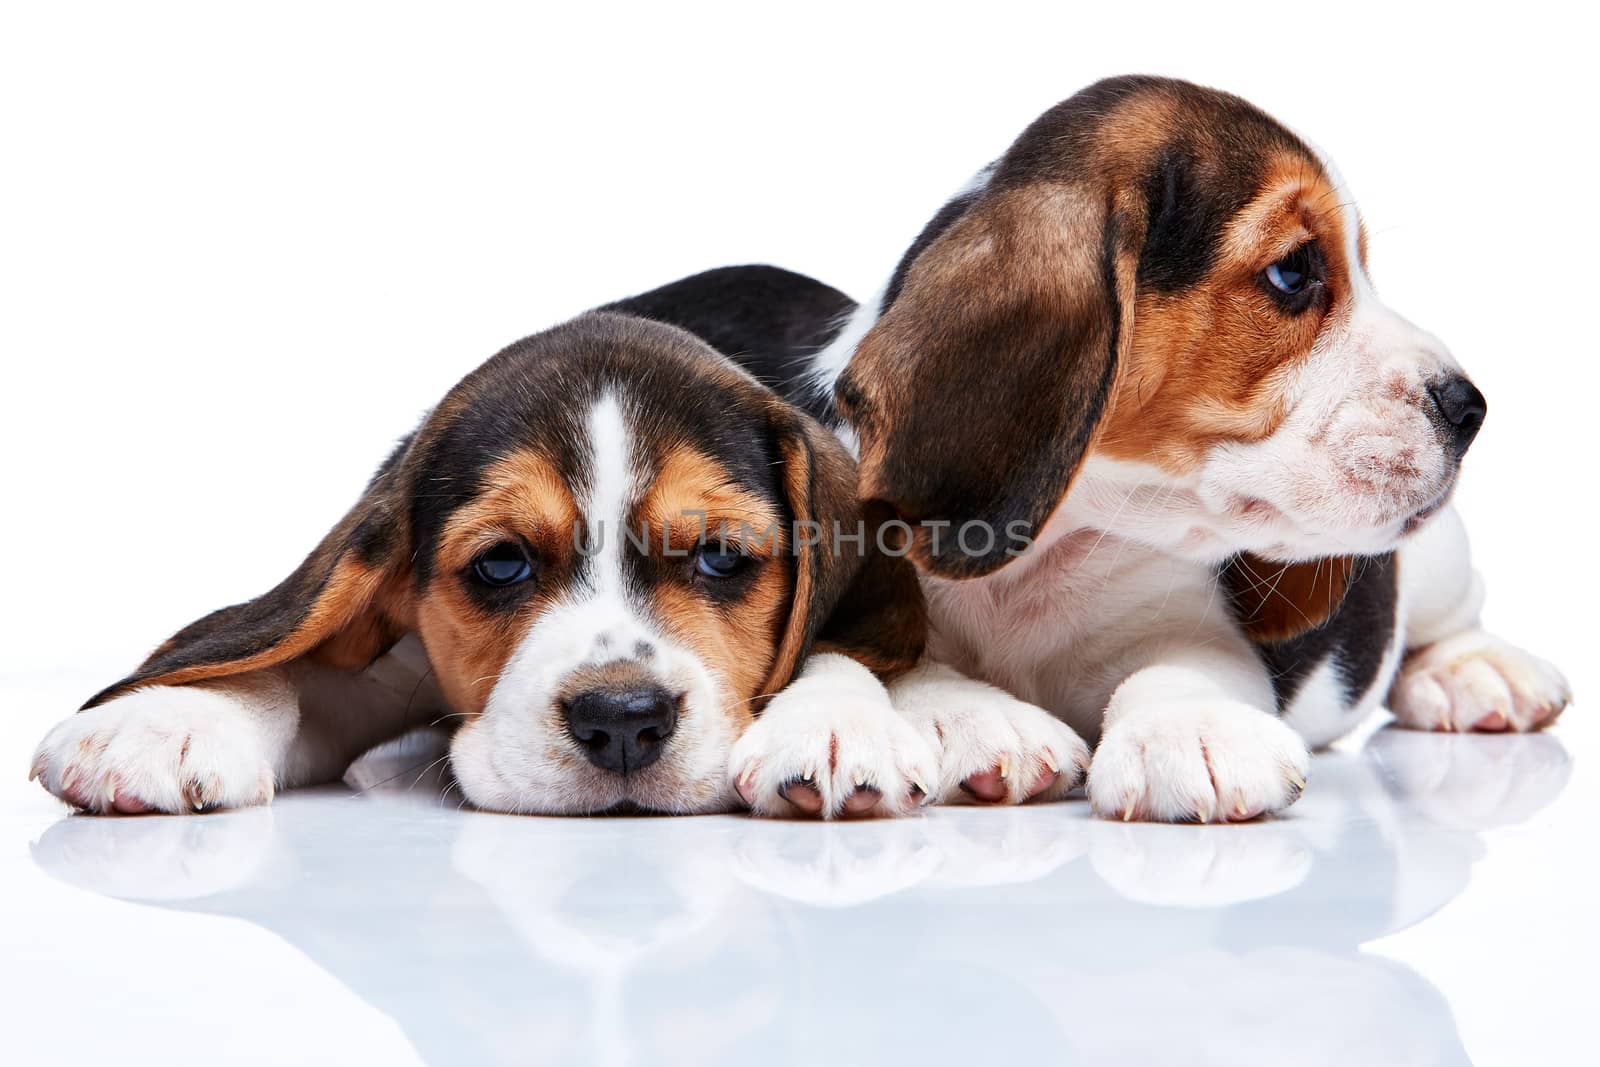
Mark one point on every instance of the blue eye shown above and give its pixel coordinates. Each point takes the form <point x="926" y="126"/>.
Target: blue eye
<point x="719" y="561"/>
<point x="1295" y="272"/>
<point x="504" y="564"/>
<point x="1285" y="278"/>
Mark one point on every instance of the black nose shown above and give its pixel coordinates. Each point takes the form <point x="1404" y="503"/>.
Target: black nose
<point x="622" y="730"/>
<point x="1462" y="407"/>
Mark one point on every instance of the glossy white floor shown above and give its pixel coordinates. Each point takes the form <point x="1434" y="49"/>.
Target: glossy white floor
<point x="1425" y="903"/>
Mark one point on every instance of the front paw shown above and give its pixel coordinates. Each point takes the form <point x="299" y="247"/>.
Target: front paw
<point x="993" y="748"/>
<point x="831" y="746"/>
<point x="163" y="749"/>
<point x="1197" y="760"/>
<point x="1476" y="681"/>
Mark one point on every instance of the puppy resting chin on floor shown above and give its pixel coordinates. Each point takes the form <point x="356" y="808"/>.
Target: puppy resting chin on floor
<point x="601" y="554"/>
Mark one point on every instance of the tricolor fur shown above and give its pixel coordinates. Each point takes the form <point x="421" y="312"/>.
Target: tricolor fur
<point x="585" y="560"/>
<point x="1147" y="333"/>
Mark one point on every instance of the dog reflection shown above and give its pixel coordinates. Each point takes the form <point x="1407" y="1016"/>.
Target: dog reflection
<point x="504" y="940"/>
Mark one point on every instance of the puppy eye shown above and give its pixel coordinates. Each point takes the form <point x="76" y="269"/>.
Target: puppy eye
<point x="1286" y="276"/>
<point x="503" y="564"/>
<point x="720" y="561"/>
<point x="1292" y="279"/>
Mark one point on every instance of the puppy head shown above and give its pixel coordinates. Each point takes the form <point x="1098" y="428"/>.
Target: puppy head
<point x="1164" y="289"/>
<point x="594" y="538"/>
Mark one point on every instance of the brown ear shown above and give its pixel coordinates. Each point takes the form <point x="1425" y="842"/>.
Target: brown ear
<point x="849" y="595"/>
<point x="977" y="393"/>
<point x="345" y="605"/>
<point x="1278" y="601"/>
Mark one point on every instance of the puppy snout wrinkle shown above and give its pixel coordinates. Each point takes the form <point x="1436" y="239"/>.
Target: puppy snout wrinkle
<point x="622" y="730"/>
<point x="1462" y="407"/>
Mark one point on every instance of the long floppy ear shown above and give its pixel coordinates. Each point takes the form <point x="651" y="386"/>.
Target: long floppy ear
<point x="976" y="395"/>
<point x="850" y="596"/>
<point x="345" y="605"/>
<point x="1277" y="602"/>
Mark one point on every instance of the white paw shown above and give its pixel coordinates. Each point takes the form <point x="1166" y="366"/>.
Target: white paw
<point x="1476" y="681"/>
<point x="1196" y="760"/>
<point x="993" y="748"/>
<point x="830" y="746"/>
<point x="167" y="749"/>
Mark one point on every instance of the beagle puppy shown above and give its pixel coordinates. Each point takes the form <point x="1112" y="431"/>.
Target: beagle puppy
<point x="599" y="557"/>
<point x="1147" y="338"/>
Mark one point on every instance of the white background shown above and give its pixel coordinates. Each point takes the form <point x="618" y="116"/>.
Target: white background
<point x="243" y="249"/>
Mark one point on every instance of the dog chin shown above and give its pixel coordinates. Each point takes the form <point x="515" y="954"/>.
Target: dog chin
<point x="1377" y="539"/>
<point x="591" y="798"/>
<point x="1308" y="543"/>
<point x="1369" y="541"/>
<point x="658" y="790"/>
<point x="1426" y="512"/>
<point x="703" y="797"/>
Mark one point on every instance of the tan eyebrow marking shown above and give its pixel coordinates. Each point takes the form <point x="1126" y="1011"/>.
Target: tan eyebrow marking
<point x="691" y="488"/>
<point x="1213" y="363"/>
<point x="522" y="497"/>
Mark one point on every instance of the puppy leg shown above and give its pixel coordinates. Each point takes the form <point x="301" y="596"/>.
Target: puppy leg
<point x="174" y="748"/>
<point x="1188" y="740"/>
<point x="992" y="747"/>
<point x="233" y="742"/>
<point x="831" y="745"/>
<point x="1457" y="676"/>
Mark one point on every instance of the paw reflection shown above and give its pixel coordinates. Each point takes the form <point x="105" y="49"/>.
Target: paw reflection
<point x="992" y="848"/>
<point x="834" y="865"/>
<point x="1470" y="781"/>
<point x="1198" y="867"/>
<point x="725" y="935"/>
<point x="159" y="857"/>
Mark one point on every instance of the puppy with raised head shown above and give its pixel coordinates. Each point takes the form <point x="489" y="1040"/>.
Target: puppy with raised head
<point x="1147" y="336"/>
<point x="600" y="556"/>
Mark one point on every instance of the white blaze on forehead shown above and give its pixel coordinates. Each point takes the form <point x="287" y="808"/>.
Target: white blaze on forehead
<point x="611" y="487"/>
<point x="520" y="754"/>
